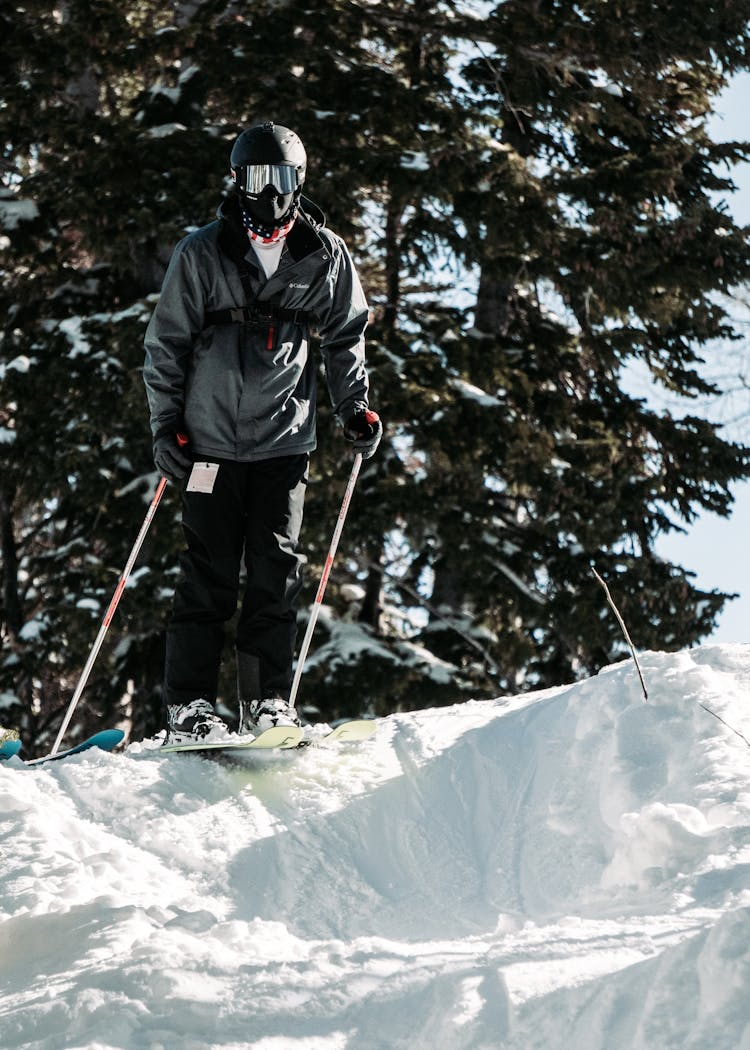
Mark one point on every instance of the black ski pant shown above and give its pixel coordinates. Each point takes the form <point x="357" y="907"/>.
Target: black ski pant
<point x="255" y="510"/>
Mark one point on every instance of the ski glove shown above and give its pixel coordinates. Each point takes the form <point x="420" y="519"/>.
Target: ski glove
<point x="170" y="459"/>
<point x="364" y="430"/>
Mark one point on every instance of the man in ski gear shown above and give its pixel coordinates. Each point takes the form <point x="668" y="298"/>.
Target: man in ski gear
<point x="231" y="388"/>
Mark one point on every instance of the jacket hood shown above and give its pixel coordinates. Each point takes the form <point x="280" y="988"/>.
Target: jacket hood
<point x="314" y="215"/>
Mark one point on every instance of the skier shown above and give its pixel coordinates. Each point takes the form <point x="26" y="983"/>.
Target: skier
<point x="231" y="389"/>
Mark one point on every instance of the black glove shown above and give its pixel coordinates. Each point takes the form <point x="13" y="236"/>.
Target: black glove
<point x="364" y="430"/>
<point x="170" y="459"/>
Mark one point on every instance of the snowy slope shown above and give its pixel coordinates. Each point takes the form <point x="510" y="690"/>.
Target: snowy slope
<point x="568" y="869"/>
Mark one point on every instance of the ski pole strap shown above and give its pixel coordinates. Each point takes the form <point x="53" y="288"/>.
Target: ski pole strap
<point x="256" y="314"/>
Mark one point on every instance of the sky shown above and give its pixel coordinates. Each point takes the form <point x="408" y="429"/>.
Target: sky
<point x="716" y="548"/>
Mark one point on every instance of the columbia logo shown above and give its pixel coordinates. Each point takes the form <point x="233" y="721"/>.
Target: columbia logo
<point x="293" y="285"/>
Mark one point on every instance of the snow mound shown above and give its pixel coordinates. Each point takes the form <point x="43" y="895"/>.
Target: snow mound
<point x="564" y="869"/>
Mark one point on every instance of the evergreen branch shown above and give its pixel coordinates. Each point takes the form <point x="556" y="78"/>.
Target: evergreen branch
<point x="489" y="663"/>
<point x="502" y="87"/>
<point x="515" y="579"/>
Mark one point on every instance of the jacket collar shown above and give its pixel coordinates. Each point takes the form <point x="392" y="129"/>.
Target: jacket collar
<point x="302" y="240"/>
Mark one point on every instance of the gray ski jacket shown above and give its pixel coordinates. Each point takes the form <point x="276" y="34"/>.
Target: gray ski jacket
<point x="228" y="356"/>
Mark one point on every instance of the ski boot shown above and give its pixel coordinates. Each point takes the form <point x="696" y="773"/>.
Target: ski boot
<point x="258" y="715"/>
<point x="193" y="722"/>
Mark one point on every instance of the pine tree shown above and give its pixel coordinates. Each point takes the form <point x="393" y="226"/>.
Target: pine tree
<point x="88" y="229"/>
<point x="598" y="244"/>
<point x="576" y="182"/>
<point x="531" y="197"/>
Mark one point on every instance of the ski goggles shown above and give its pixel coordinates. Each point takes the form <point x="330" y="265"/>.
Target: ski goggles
<point x="253" y="178"/>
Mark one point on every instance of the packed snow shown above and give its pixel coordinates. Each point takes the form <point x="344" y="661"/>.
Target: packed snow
<point x="565" y="869"/>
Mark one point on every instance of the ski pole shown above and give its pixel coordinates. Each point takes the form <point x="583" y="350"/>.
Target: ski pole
<point x="110" y="613"/>
<point x="315" y="609"/>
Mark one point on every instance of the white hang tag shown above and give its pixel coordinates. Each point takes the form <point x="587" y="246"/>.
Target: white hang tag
<point x="202" y="477"/>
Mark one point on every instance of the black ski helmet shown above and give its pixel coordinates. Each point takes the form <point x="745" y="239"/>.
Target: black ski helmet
<point x="269" y="164"/>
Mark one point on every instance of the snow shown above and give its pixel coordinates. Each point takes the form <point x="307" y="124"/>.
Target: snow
<point x="14" y="211"/>
<point x="415" y="160"/>
<point x="564" y="869"/>
<point x="32" y="630"/>
<point x="473" y="393"/>
<point x="72" y="329"/>
<point x="163" y="131"/>
<point x="21" y="364"/>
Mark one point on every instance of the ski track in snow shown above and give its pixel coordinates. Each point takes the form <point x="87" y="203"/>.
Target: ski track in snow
<point x="564" y="869"/>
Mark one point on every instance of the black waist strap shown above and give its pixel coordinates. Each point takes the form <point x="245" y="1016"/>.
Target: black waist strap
<point x="260" y="313"/>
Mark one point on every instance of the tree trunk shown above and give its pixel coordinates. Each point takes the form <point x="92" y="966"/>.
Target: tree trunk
<point x="394" y="215"/>
<point x="493" y="310"/>
<point x="372" y="605"/>
<point x="12" y="608"/>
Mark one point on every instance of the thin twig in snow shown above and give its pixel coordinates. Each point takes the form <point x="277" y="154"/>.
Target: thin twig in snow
<point x="620" y="620"/>
<point x="723" y="722"/>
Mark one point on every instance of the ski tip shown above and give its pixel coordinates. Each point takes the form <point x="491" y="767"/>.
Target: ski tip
<point x="106" y="739"/>
<point x="9" y="748"/>
<point x="356" y="730"/>
<point x="352" y="732"/>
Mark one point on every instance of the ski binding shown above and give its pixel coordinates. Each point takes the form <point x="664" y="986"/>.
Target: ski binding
<point x="282" y="737"/>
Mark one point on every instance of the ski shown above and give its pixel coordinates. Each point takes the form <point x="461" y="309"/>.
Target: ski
<point x="281" y="737"/>
<point x="353" y="731"/>
<point x="9" y="748"/>
<point x="105" y="740"/>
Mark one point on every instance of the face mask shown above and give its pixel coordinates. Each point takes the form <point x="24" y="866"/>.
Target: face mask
<point x="267" y="233"/>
